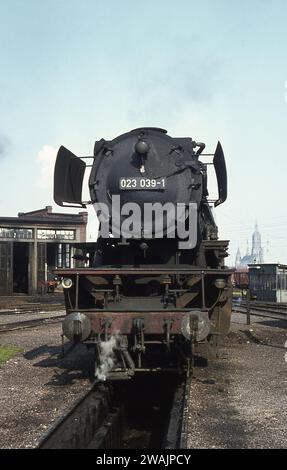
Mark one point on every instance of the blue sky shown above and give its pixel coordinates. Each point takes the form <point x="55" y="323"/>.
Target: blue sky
<point x="74" y="71"/>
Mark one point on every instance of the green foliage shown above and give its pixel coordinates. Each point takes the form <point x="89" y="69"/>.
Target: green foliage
<point x="6" y="352"/>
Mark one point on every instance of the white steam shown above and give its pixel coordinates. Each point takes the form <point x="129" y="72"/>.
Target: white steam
<point x="107" y="357"/>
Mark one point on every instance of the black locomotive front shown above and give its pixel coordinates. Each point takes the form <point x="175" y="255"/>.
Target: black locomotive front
<point x="148" y="295"/>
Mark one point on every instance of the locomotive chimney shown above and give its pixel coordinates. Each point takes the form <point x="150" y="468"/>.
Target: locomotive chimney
<point x="142" y="148"/>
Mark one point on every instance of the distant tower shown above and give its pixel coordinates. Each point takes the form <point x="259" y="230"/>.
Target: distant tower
<point x="257" y="250"/>
<point x="238" y="258"/>
<point x="247" y="248"/>
<point x="256" y="255"/>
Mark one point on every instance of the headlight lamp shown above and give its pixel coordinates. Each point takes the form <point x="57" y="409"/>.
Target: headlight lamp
<point x="67" y="283"/>
<point x="220" y="283"/>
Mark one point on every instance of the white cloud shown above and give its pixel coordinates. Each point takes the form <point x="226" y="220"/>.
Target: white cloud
<point x="46" y="161"/>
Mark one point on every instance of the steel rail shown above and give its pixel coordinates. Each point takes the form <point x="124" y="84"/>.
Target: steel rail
<point x="21" y="325"/>
<point x="259" y="312"/>
<point x="176" y="435"/>
<point x="31" y="308"/>
<point x="265" y="306"/>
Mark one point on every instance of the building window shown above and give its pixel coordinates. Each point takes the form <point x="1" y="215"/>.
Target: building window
<point x="16" y="233"/>
<point x="45" y="234"/>
<point x="59" y="256"/>
<point x="63" y="256"/>
<point x="41" y="256"/>
<point x="67" y="256"/>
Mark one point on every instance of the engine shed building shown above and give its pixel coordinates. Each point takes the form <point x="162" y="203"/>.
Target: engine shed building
<point x="35" y="243"/>
<point x="268" y="282"/>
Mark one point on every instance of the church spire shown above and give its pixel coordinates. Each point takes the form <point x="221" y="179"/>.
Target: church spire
<point x="256" y="254"/>
<point x="238" y="258"/>
<point x="247" y="248"/>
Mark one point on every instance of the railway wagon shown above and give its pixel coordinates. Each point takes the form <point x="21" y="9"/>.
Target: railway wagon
<point x="240" y="278"/>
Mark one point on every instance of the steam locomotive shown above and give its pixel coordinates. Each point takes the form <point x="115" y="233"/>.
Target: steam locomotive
<point x="155" y="283"/>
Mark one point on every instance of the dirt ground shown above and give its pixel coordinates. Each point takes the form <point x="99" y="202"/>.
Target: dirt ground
<point x="238" y="401"/>
<point x="37" y="386"/>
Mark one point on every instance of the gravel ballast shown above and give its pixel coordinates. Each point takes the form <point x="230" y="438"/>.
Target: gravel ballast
<point x="240" y="400"/>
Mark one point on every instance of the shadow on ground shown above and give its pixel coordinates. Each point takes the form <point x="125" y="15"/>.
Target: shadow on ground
<point x="77" y="364"/>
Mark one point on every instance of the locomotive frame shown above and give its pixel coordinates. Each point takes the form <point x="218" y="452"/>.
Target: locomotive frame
<point x="155" y="313"/>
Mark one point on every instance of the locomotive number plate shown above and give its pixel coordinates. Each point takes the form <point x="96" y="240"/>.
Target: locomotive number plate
<point x="141" y="183"/>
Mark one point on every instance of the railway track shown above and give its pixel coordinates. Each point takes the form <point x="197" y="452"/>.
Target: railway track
<point x="19" y="301"/>
<point x="30" y="308"/>
<point x="262" y="309"/>
<point x="109" y="416"/>
<point x="32" y="323"/>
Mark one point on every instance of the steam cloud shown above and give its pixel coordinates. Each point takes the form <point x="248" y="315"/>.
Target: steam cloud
<point x="181" y="81"/>
<point x="4" y="145"/>
<point x="107" y="358"/>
